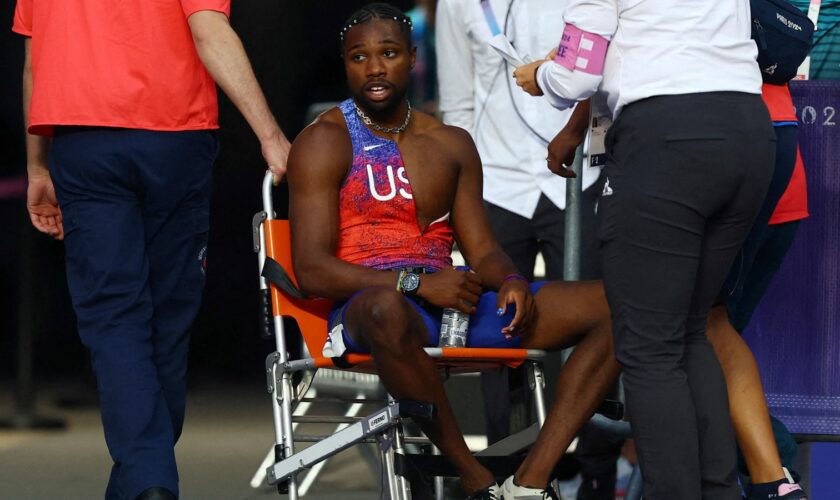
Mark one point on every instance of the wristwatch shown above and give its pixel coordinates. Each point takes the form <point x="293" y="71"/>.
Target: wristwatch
<point x="408" y="282"/>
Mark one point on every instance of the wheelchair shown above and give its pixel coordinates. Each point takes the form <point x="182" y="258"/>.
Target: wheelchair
<point x="295" y="383"/>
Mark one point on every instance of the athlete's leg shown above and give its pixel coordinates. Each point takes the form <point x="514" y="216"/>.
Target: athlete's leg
<point x="568" y="311"/>
<point x="517" y="238"/>
<point x="382" y="320"/>
<point x="748" y="406"/>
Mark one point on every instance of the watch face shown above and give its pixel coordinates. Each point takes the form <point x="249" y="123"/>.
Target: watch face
<point x="410" y="283"/>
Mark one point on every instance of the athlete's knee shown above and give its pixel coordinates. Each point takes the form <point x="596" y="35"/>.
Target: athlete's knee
<point x="382" y="305"/>
<point x="381" y="315"/>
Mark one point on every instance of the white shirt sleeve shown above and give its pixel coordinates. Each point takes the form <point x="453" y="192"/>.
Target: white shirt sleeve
<point x="561" y="86"/>
<point x="454" y="65"/>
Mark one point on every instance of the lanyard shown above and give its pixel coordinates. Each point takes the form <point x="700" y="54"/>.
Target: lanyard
<point x="490" y="17"/>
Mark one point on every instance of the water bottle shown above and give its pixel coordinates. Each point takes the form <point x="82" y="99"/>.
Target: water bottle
<point x="454" y="325"/>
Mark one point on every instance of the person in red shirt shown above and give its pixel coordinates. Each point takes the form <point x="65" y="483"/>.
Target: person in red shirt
<point x="121" y="111"/>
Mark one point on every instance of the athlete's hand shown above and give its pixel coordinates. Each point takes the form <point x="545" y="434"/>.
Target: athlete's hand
<point x="275" y="150"/>
<point x="518" y="292"/>
<point x="450" y="287"/>
<point x="526" y="77"/>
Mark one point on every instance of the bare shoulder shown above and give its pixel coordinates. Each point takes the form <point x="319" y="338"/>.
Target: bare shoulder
<point x="324" y="144"/>
<point x="449" y="136"/>
<point x="328" y="125"/>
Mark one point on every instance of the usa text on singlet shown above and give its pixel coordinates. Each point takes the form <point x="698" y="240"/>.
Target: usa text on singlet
<point x="377" y="216"/>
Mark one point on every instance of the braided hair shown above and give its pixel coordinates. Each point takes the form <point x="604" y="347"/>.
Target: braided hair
<point x="378" y="10"/>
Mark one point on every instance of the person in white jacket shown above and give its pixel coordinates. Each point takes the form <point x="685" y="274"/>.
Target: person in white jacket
<point x="525" y="200"/>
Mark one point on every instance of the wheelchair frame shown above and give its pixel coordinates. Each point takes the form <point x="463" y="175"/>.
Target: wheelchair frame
<point x="383" y="426"/>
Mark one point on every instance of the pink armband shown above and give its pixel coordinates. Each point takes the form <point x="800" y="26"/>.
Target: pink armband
<point x="581" y="50"/>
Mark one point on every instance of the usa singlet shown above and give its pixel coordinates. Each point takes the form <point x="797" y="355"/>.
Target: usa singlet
<point x="377" y="216"/>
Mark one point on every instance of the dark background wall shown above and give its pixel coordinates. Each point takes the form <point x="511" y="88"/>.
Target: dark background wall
<point x="293" y="46"/>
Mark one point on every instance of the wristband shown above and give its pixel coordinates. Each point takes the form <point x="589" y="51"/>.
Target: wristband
<point x="515" y="277"/>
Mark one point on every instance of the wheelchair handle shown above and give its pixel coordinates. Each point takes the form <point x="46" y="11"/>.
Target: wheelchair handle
<point x="266" y="317"/>
<point x="267" y="200"/>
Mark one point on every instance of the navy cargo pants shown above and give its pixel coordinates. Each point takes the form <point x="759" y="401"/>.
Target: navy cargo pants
<point x="135" y="208"/>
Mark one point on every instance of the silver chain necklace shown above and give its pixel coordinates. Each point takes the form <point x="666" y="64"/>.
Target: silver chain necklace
<point x="379" y="128"/>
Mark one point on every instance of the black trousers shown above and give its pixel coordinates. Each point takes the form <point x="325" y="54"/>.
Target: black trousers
<point x="686" y="175"/>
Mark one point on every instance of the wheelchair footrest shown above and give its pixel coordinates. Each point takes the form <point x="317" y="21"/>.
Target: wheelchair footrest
<point x="372" y="425"/>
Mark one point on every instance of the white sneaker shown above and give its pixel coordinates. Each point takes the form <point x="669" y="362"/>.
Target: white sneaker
<point x="492" y="492"/>
<point x="512" y="491"/>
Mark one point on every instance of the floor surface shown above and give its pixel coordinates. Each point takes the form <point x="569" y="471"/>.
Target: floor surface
<point x="227" y="434"/>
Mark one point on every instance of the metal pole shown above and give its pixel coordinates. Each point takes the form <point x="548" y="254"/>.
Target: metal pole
<point x="571" y="238"/>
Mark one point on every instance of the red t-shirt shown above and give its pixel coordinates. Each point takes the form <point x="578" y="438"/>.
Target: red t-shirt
<point x="130" y="64"/>
<point x="779" y="102"/>
<point x="793" y="205"/>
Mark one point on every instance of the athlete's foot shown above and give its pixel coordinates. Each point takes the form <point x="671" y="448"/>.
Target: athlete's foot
<point x="476" y="480"/>
<point x="492" y="492"/>
<point x="513" y="491"/>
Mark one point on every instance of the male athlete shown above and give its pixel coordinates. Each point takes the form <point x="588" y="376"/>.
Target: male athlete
<point x="379" y="192"/>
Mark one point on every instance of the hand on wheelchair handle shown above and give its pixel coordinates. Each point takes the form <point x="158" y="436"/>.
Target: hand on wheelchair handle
<point x="275" y="151"/>
<point x="450" y="287"/>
